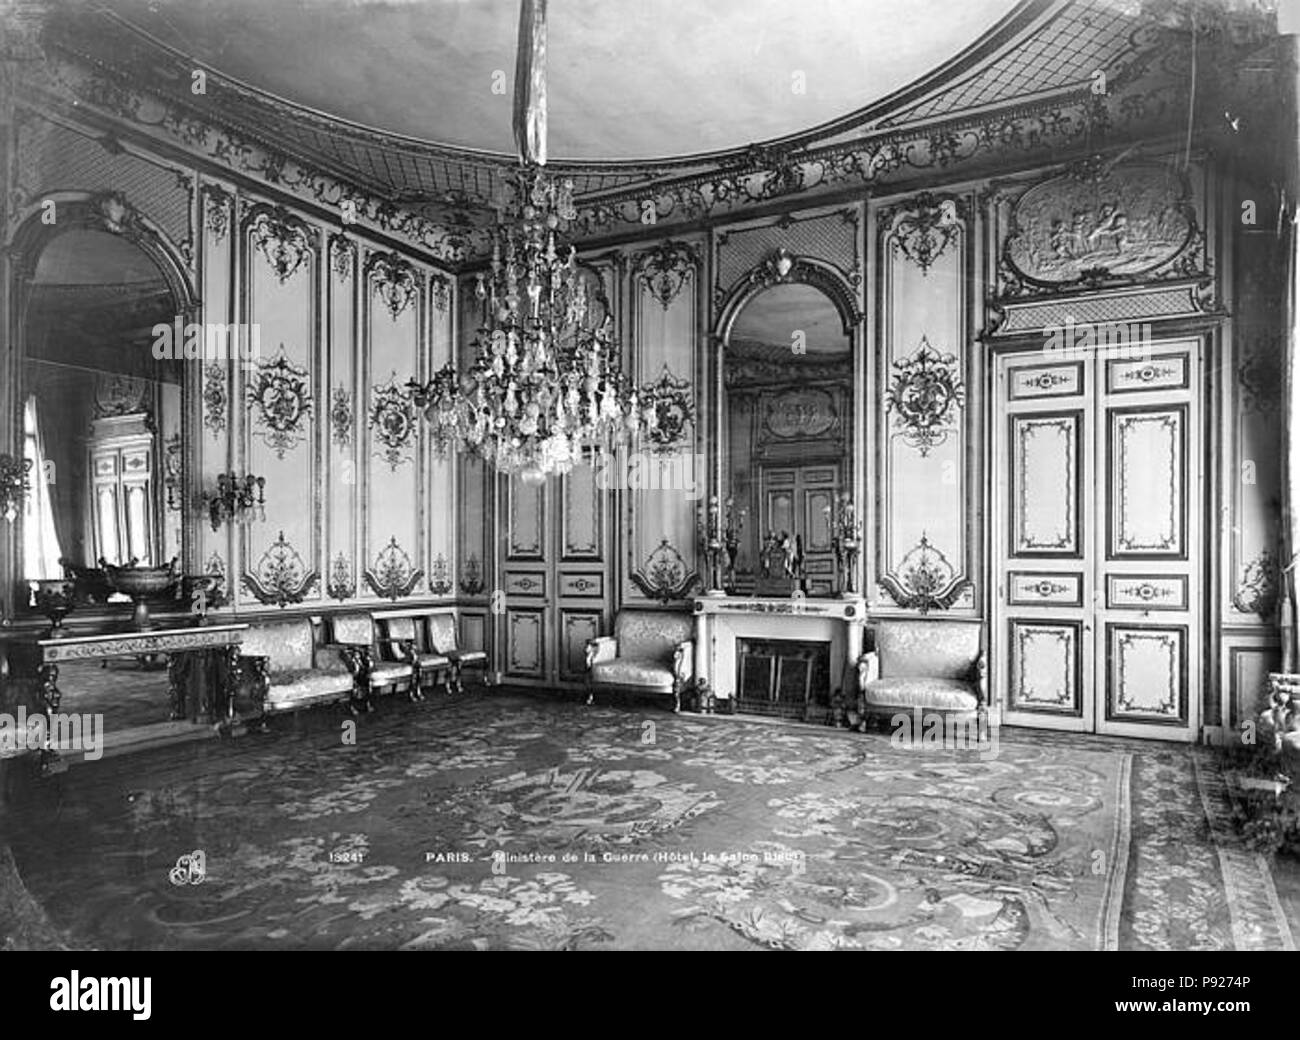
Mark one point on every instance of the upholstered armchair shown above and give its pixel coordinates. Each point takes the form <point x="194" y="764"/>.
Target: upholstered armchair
<point x="404" y="641"/>
<point x="442" y="638"/>
<point x="356" y="638"/>
<point x="287" y="670"/>
<point x="651" y="651"/>
<point x="936" y="665"/>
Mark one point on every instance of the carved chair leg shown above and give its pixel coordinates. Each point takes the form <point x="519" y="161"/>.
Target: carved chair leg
<point x="591" y="693"/>
<point x="677" y="695"/>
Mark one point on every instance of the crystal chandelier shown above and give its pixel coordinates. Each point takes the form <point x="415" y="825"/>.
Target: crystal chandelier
<point x="545" y="388"/>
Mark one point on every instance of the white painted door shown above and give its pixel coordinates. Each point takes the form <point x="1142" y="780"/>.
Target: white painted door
<point x="1097" y="541"/>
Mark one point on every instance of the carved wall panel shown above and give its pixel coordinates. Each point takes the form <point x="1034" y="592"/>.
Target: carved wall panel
<point x="927" y="418"/>
<point x="276" y="405"/>
<point x="394" y="334"/>
<point x="663" y="480"/>
<point x="1148" y="674"/>
<point x="438" y="502"/>
<point x="1046" y="668"/>
<point x="526" y="642"/>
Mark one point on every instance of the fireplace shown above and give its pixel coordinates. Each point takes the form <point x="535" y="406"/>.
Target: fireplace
<point x="789" y="678"/>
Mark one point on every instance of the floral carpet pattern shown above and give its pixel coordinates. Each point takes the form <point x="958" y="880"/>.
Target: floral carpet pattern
<point x="490" y="822"/>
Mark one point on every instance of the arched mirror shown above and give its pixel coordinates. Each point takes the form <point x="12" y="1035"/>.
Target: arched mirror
<point x="100" y="412"/>
<point x="788" y="430"/>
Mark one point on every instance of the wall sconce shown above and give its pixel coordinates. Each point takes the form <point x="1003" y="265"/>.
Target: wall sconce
<point x="14" y="484"/>
<point x="237" y="498"/>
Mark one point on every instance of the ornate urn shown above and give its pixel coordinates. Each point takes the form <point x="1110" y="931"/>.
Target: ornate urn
<point x="141" y="584"/>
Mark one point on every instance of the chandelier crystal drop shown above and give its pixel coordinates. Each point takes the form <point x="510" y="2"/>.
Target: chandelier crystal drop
<point x="545" y="388"/>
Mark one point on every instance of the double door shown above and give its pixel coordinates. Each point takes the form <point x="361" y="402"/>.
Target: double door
<point x="796" y="500"/>
<point x="1098" y="546"/>
<point x="554" y="576"/>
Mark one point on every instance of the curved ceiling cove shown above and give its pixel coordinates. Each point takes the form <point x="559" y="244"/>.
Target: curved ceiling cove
<point x="626" y="80"/>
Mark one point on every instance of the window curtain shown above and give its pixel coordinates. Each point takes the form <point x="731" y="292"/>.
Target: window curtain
<point x="41" y="551"/>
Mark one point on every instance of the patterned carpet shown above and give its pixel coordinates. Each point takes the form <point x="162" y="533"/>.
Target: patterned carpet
<point x="506" y="821"/>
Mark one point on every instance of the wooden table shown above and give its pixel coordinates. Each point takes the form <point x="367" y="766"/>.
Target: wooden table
<point x="186" y="648"/>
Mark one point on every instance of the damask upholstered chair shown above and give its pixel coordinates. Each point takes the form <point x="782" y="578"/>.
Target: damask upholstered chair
<point x="651" y="651"/>
<point x="286" y="668"/>
<point x="357" y="640"/>
<point x="935" y="665"/>
<point x="404" y="640"/>
<point x="442" y="639"/>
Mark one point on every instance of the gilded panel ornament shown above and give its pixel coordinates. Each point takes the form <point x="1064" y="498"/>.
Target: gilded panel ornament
<point x="218" y="205"/>
<point x="1102" y="221"/>
<point x="280" y="398"/>
<point x="215" y="398"/>
<point x="392" y="575"/>
<point x="923" y="229"/>
<point x="673" y="401"/>
<point x="341" y="416"/>
<point x="281" y="575"/>
<point x="924" y="580"/>
<point x="392" y="421"/>
<point x="440" y="292"/>
<point x="925" y="393"/>
<point x="343" y="255"/>
<point x="1143" y="697"/>
<point x="283" y="239"/>
<point x="440" y="576"/>
<point x="665" y="576"/>
<point x="393" y="279"/>
<point x="218" y="594"/>
<point x="666" y="268"/>
<point x="471" y="576"/>
<point x="342" y="583"/>
<point x="1260" y="585"/>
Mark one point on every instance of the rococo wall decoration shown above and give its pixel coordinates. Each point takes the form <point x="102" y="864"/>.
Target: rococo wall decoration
<point x="924" y="580"/>
<point x="924" y="228"/>
<point x="281" y="402"/>
<point x="667" y="268"/>
<point x="673" y="401"/>
<point x="924" y="395"/>
<point x="1101" y="221"/>
<point x="281" y="238"/>
<point x="394" y="282"/>
<point x="281" y="576"/>
<point x="392" y="420"/>
<point x="393" y="575"/>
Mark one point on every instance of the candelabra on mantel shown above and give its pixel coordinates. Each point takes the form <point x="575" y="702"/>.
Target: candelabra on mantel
<point x="846" y="541"/>
<point x="712" y="534"/>
<point x="237" y="498"/>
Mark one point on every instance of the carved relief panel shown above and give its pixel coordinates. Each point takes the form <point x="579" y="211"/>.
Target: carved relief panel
<point x="926" y="458"/>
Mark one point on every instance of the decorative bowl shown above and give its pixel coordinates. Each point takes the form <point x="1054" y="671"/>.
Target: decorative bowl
<point x="54" y="600"/>
<point x="141" y="584"/>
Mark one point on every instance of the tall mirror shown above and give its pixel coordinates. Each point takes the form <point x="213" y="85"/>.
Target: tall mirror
<point x="788" y="407"/>
<point x="101" y="415"/>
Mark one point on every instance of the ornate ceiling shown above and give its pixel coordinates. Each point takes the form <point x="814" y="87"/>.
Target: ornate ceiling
<point x="315" y="96"/>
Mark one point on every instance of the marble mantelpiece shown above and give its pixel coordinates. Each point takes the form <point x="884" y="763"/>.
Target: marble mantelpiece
<point x="720" y="621"/>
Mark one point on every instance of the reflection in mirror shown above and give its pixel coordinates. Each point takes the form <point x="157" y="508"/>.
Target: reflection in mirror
<point x="788" y="377"/>
<point x="101" y="415"/>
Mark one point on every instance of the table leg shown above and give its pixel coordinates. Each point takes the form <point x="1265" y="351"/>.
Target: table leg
<point x="50" y="693"/>
<point x="230" y="688"/>
<point x="177" y="673"/>
<point x="50" y="696"/>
